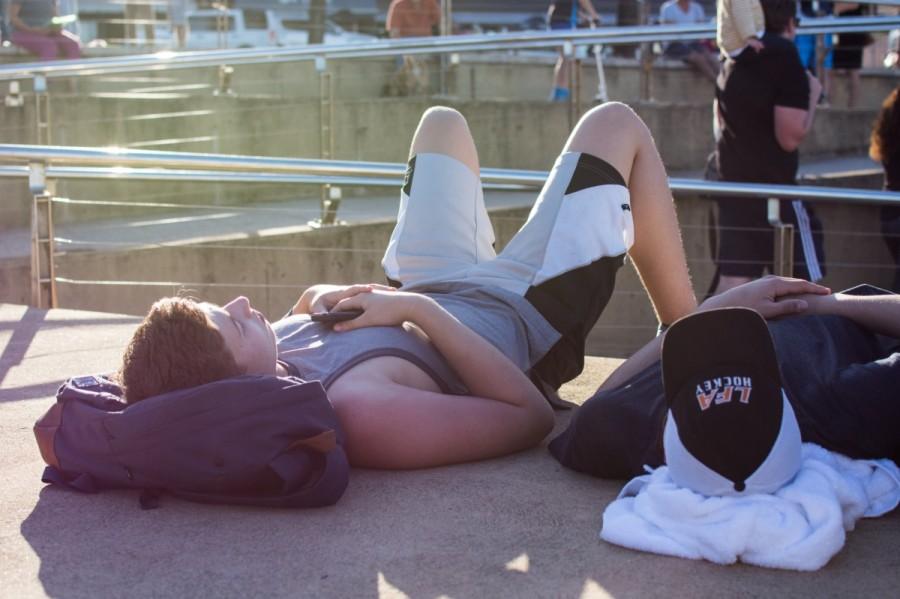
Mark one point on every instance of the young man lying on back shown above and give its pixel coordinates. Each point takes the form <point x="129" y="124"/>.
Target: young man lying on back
<point x="839" y="356"/>
<point x="452" y="367"/>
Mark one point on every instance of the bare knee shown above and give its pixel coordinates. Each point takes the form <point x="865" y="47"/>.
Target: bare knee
<point x="444" y="130"/>
<point x="612" y="127"/>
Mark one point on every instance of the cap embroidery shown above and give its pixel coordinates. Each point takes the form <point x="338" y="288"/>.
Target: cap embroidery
<point x="721" y="390"/>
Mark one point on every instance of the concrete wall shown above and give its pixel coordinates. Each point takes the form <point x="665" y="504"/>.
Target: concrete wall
<point x="516" y="75"/>
<point x="510" y="134"/>
<point x="273" y="277"/>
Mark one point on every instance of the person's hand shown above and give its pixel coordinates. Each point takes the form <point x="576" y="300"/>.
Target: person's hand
<point x="756" y="44"/>
<point x="325" y="297"/>
<point x="815" y="88"/>
<point x="380" y="308"/>
<point x="326" y="302"/>
<point x="771" y="296"/>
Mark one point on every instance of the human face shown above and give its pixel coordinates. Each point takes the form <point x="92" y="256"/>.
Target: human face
<point x="247" y="335"/>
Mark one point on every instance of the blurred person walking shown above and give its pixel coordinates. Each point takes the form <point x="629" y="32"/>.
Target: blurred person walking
<point x="885" y="148"/>
<point x="765" y="106"/>
<point x="411" y="18"/>
<point x="36" y="27"/>
<point x="565" y="15"/>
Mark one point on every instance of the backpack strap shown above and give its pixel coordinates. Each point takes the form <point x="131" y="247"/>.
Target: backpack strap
<point x="83" y="483"/>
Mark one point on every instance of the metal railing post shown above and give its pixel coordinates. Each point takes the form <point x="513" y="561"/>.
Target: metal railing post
<point x="576" y="90"/>
<point x="222" y="25"/>
<point x="226" y="74"/>
<point x="330" y="196"/>
<point x="646" y="49"/>
<point x="43" y="269"/>
<point x="602" y="92"/>
<point x="41" y="111"/>
<point x="783" y="256"/>
<point x="446" y="28"/>
<point x="568" y="51"/>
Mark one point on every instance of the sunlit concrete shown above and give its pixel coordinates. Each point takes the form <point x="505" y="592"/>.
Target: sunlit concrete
<point x="520" y="526"/>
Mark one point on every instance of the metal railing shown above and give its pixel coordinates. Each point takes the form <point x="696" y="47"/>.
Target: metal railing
<point x="43" y="165"/>
<point x="69" y="162"/>
<point x="426" y="45"/>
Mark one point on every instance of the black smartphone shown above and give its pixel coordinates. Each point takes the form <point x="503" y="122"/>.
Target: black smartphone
<point x="866" y="289"/>
<point x="334" y="316"/>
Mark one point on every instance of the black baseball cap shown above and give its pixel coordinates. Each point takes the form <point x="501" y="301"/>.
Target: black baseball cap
<point x="730" y="428"/>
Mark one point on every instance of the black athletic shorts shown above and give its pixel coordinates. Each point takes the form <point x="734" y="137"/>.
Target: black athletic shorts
<point x="747" y="241"/>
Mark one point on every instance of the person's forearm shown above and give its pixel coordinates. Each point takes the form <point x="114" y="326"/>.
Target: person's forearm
<point x="20" y="25"/>
<point x="640" y="360"/>
<point x="877" y="313"/>
<point x="481" y="366"/>
<point x="810" y="112"/>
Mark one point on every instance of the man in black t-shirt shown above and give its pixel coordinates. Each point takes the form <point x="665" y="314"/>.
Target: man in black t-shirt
<point x="839" y="356"/>
<point x="765" y="104"/>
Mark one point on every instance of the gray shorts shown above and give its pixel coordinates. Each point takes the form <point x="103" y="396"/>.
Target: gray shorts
<point x="563" y="260"/>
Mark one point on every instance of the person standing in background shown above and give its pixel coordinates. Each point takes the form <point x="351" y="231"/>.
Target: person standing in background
<point x="411" y="18"/>
<point x="562" y="15"/>
<point x="885" y="148"/>
<point x="849" y="49"/>
<point x="34" y="29"/>
<point x="764" y="109"/>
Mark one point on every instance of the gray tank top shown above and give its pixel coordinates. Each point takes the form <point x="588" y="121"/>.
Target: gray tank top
<point x="317" y="352"/>
<point x="504" y="319"/>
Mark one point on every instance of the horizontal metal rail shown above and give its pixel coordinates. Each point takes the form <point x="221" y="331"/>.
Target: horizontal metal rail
<point x="115" y="163"/>
<point x="425" y="45"/>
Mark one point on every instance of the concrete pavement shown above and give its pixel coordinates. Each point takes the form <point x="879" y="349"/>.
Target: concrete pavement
<point x="520" y="526"/>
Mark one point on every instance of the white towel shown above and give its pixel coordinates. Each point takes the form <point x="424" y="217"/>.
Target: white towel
<point x="800" y="527"/>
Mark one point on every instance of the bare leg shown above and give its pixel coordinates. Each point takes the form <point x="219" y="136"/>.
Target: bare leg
<point x="702" y="64"/>
<point x="616" y="134"/>
<point x="444" y="130"/>
<point x="561" y="72"/>
<point x="442" y="224"/>
<point x="852" y="88"/>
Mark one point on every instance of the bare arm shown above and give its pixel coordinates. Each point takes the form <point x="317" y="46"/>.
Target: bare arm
<point x="772" y="297"/>
<point x="400" y="426"/>
<point x="18" y="23"/>
<point x="877" y="313"/>
<point x="792" y="124"/>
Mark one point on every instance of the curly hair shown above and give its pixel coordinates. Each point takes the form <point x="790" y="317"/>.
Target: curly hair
<point x="175" y="347"/>
<point x="885" y="144"/>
